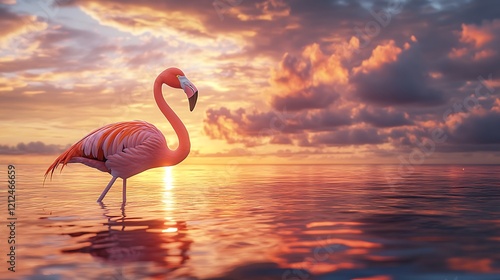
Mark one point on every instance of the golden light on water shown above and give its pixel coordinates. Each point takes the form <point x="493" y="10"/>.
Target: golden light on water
<point x="168" y="185"/>
<point x="174" y="226"/>
<point x="168" y="179"/>
<point x="170" y="229"/>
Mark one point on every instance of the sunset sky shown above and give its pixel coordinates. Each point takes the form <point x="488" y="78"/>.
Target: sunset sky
<point x="279" y="81"/>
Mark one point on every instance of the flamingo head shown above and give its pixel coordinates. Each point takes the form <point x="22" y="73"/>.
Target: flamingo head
<point x="175" y="78"/>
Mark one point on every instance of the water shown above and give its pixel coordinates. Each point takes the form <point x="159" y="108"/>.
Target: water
<point x="257" y="222"/>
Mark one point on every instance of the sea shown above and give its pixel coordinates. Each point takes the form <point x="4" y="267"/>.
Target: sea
<point x="283" y="222"/>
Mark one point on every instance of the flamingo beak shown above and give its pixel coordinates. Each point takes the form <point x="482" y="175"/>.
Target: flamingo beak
<point x="190" y="90"/>
<point x="192" y="101"/>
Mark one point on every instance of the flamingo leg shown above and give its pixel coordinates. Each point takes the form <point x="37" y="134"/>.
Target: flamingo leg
<point x="124" y="190"/>
<point x="105" y="191"/>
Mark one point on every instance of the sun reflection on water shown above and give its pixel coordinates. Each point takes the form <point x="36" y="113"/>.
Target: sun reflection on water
<point x="168" y="198"/>
<point x="168" y="179"/>
<point x="170" y="229"/>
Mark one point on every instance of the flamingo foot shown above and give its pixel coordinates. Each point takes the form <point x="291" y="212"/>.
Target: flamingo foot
<point x="105" y="191"/>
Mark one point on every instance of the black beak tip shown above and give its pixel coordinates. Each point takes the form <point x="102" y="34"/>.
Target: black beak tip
<point x="192" y="101"/>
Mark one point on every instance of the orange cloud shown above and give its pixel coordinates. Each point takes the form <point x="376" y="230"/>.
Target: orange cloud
<point x="311" y="68"/>
<point x="327" y="69"/>
<point x="477" y="39"/>
<point x="478" y="35"/>
<point x="484" y="54"/>
<point x="483" y="265"/>
<point x="456" y="53"/>
<point x="496" y="106"/>
<point x="381" y="55"/>
<point x="222" y="124"/>
<point x="307" y="81"/>
<point x="139" y="19"/>
<point x="9" y="84"/>
<point x="14" y="30"/>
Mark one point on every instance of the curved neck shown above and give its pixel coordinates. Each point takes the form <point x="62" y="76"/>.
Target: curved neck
<point x="173" y="156"/>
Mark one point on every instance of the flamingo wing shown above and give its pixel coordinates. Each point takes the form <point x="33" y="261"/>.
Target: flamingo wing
<point x="124" y="148"/>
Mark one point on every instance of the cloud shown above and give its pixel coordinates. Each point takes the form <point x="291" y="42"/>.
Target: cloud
<point x="38" y="148"/>
<point x="236" y="152"/>
<point x="307" y="81"/>
<point x="479" y="41"/>
<point x="281" y="139"/>
<point x="348" y="137"/>
<point x="311" y="68"/>
<point x="404" y="81"/>
<point x="474" y="52"/>
<point x="382" y="54"/>
<point x="384" y="117"/>
<point x="239" y="126"/>
<point x="222" y="124"/>
<point x="478" y="129"/>
<point x="253" y="128"/>
<point x="17" y="31"/>
<point x="262" y="10"/>
<point x="146" y="16"/>
<point x="308" y="98"/>
<point x="479" y="35"/>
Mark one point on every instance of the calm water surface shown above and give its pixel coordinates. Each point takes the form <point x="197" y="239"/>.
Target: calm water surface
<point x="257" y="222"/>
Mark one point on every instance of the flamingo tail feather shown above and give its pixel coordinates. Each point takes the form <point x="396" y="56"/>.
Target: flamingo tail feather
<point x="65" y="158"/>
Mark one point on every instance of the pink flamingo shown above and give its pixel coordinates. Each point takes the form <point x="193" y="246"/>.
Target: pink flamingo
<point x="125" y="149"/>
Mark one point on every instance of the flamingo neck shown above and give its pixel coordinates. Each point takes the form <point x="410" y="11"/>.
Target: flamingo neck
<point x="172" y="157"/>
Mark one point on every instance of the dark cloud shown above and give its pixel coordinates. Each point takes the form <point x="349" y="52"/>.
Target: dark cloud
<point x="463" y="69"/>
<point x="403" y="82"/>
<point x="293" y="68"/>
<point x="225" y="125"/>
<point x="349" y="137"/>
<point x="470" y="148"/>
<point x="308" y="98"/>
<point x="381" y="117"/>
<point x="240" y="126"/>
<point x="478" y="130"/>
<point x="323" y="120"/>
<point x="472" y="11"/>
<point x="37" y="147"/>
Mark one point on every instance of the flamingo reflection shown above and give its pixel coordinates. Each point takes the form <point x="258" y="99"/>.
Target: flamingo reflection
<point x="136" y="240"/>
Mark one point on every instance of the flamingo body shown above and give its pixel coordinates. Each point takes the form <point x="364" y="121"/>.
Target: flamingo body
<point x="122" y="149"/>
<point x="125" y="149"/>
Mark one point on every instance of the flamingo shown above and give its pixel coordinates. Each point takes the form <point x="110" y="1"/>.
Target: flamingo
<point x="125" y="149"/>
